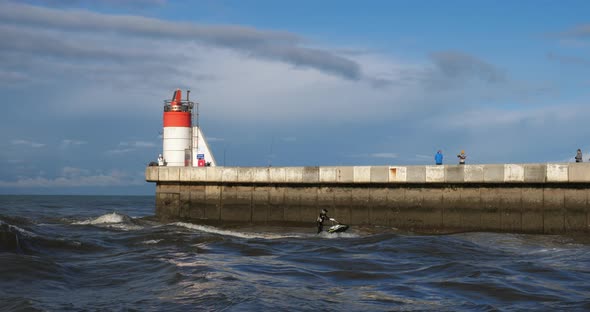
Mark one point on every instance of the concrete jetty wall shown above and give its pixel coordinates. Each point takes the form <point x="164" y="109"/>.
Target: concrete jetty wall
<point x="518" y="198"/>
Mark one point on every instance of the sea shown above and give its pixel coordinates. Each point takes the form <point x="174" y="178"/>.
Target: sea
<point x="109" y="253"/>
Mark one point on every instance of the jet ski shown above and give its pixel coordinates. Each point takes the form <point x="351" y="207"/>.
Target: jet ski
<point x="338" y="228"/>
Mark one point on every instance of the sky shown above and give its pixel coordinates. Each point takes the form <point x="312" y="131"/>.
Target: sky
<point x="286" y="83"/>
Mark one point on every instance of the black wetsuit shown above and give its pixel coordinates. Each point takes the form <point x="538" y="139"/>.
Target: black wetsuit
<point x="320" y="221"/>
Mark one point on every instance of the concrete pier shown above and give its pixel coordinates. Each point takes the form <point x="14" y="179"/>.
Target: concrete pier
<point x="519" y="198"/>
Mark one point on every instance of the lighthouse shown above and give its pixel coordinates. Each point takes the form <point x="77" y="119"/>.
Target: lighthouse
<point x="183" y="144"/>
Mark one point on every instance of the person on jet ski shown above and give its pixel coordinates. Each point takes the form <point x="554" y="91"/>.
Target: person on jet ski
<point x="323" y="217"/>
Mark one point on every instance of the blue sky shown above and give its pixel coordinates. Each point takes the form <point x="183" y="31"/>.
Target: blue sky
<point x="286" y="83"/>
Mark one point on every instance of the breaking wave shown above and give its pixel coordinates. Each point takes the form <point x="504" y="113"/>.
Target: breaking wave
<point x="262" y="235"/>
<point x="112" y="220"/>
<point x="247" y="235"/>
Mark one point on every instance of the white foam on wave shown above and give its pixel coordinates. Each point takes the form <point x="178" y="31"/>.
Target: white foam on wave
<point x="151" y="241"/>
<point x="124" y="227"/>
<point x="111" y="220"/>
<point x="21" y="231"/>
<point x="519" y="244"/>
<point x="337" y="235"/>
<point x="104" y="219"/>
<point x="214" y="230"/>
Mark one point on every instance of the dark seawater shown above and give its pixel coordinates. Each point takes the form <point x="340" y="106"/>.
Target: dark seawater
<point x="85" y="253"/>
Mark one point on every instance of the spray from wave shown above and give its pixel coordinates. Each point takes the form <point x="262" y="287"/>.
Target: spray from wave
<point x="248" y="235"/>
<point x="262" y="235"/>
<point x="112" y="220"/>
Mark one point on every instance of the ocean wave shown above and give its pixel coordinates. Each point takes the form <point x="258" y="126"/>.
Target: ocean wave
<point x="16" y="239"/>
<point x="248" y="235"/>
<point x="112" y="220"/>
<point x="9" y="237"/>
<point x="262" y="235"/>
<point x="9" y="227"/>
<point x="337" y="235"/>
<point x="15" y="220"/>
<point x="108" y="218"/>
<point x="17" y="304"/>
<point x="152" y="241"/>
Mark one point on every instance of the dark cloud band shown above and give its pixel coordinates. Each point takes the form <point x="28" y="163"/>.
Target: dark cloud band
<point x="274" y="45"/>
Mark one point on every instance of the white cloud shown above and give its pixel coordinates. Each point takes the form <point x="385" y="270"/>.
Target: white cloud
<point x="272" y="45"/>
<point x="27" y="143"/>
<point x="65" y="143"/>
<point x="289" y="139"/>
<point x="486" y="118"/>
<point x="144" y="144"/>
<point x="138" y="144"/>
<point x="213" y="139"/>
<point x="383" y="155"/>
<point x="375" y="155"/>
<point x="128" y="147"/>
<point x="74" y="172"/>
<point x="119" y="151"/>
<point x="237" y="73"/>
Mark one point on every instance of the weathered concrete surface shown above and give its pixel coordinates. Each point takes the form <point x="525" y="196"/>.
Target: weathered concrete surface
<point x="416" y="174"/>
<point x="553" y="210"/>
<point x="513" y="173"/>
<point x="359" y="212"/>
<point x="169" y="173"/>
<point x="491" y="209"/>
<point x="506" y="173"/>
<point x="473" y="173"/>
<point x="197" y="202"/>
<point x="277" y="175"/>
<point x="214" y="174"/>
<point x="343" y="204"/>
<point x="451" y="209"/>
<point x="151" y="173"/>
<point x="236" y="203"/>
<point x="198" y="174"/>
<point x="378" y="206"/>
<point x="294" y="175"/>
<point x="576" y="206"/>
<point x="292" y="204"/>
<point x="434" y="174"/>
<point x="469" y="209"/>
<point x="362" y="174"/>
<point x="229" y="174"/>
<point x="345" y="174"/>
<point x="380" y="174"/>
<point x="213" y="202"/>
<point x="493" y="173"/>
<point x="397" y="174"/>
<point x="557" y="172"/>
<point x="520" y="198"/>
<point x="328" y="174"/>
<point x="455" y="173"/>
<point x="311" y="174"/>
<point x="535" y="173"/>
<point x="532" y="209"/>
<point x="277" y="204"/>
<point x="414" y="213"/>
<point x="261" y="204"/>
<point x="578" y="172"/>
<point x="511" y="210"/>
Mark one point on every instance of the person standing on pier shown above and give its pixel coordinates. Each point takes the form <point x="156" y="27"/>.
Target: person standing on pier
<point x="579" y="156"/>
<point x="438" y="158"/>
<point x="462" y="157"/>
